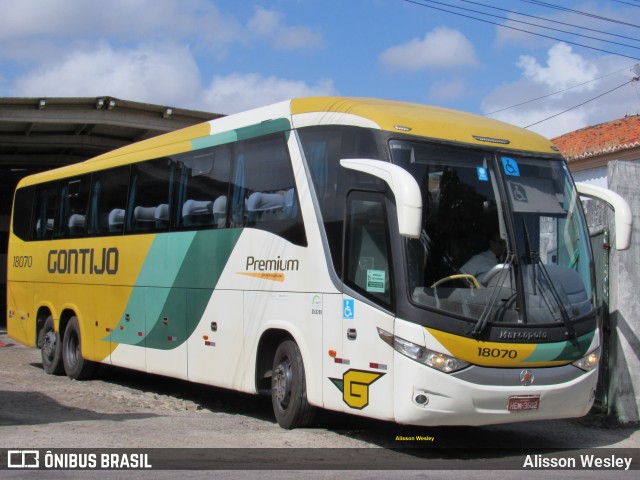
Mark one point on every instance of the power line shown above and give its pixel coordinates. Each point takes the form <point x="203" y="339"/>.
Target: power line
<point x="529" y="23"/>
<point x="627" y="3"/>
<point x="586" y="14"/>
<point x="555" y="93"/>
<point x="552" y="21"/>
<point x="580" y="104"/>
<point x="521" y="29"/>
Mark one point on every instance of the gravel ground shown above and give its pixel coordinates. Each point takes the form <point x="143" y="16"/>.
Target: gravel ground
<point x="126" y="409"/>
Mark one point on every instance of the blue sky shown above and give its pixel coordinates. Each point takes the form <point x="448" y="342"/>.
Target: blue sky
<point x="228" y="56"/>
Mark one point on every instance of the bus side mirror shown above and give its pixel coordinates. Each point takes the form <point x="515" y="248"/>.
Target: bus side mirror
<point x="404" y="188"/>
<point x="622" y="211"/>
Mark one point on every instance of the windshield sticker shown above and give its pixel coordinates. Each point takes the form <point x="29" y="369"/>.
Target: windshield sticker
<point x="483" y="175"/>
<point x="518" y="192"/>
<point x="376" y="281"/>
<point x="510" y="167"/>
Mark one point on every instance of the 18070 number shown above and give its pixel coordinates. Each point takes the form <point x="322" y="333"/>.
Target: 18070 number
<point x="497" y="353"/>
<point x="22" y="261"/>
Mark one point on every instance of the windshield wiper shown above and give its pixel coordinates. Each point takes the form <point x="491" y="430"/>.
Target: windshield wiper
<point x="536" y="262"/>
<point x="570" y="331"/>
<point x="482" y="322"/>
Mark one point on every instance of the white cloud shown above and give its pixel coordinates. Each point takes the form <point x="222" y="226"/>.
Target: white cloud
<point x="62" y="23"/>
<point x="268" y="24"/>
<point x="165" y="75"/>
<point x="564" y="69"/>
<point x="441" y="48"/>
<point x="237" y="92"/>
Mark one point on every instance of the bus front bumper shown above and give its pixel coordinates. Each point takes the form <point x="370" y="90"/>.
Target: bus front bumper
<point x="486" y="396"/>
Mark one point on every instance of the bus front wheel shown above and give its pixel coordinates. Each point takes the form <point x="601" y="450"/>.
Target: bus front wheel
<point x="288" y="388"/>
<point x="51" y="348"/>
<point x="76" y="367"/>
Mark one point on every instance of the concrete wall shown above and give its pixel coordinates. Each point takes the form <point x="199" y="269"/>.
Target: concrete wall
<point x="624" y="301"/>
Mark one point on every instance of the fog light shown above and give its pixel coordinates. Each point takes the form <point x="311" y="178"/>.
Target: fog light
<point x="421" y="399"/>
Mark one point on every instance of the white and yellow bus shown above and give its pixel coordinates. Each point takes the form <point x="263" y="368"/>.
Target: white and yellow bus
<point x="315" y="250"/>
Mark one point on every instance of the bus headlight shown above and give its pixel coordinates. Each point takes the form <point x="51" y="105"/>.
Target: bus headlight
<point x="430" y="358"/>
<point x="588" y="362"/>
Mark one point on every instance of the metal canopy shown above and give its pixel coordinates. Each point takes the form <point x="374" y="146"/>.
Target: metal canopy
<point x="42" y="133"/>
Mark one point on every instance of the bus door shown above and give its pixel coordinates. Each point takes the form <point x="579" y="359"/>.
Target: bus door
<point x="367" y="361"/>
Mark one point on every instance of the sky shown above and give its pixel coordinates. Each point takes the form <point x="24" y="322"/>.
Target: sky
<point x="228" y="56"/>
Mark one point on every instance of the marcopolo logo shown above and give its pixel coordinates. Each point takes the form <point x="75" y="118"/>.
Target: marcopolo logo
<point x="354" y="386"/>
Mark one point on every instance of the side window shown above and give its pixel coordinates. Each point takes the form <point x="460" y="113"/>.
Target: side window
<point x="148" y="209"/>
<point x="367" y="255"/>
<point x="22" y="211"/>
<point x="108" y="204"/>
<point x="46" y="206"/>
<point x="263" y="191"/>
<point x="204" y="185"/>
<point x="74" y="197"/>
<point x="324" y="147"/>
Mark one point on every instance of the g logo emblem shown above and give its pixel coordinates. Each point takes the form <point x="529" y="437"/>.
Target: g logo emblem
<point x="355" y="387"/>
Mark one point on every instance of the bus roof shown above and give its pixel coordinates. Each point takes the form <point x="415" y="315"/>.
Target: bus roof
<point x="425" y="121"/>
<point x="400" y="117"/>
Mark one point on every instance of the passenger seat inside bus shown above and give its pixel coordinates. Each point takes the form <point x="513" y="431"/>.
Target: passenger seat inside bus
<point x="220" y="211"/>
<point x="197" y="212"/>
<point x="161" y="216"/>
<point x="144" y="218"/>
<point x="116" y="220"/>
<point x="265" y="206"/>
<point x="76" y="224"/>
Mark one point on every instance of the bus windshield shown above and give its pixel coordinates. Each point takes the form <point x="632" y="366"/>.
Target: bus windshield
<point x="502" y="239"/>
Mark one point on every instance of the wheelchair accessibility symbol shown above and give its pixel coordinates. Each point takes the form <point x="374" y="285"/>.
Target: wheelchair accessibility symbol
<point x="518" y="193"/>
<point x="347" y="309"/>
<point x="510" y="167"/>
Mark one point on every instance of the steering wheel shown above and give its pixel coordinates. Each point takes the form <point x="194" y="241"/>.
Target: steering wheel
<point x="458" y="276"/>
<point x="487" y="277"/>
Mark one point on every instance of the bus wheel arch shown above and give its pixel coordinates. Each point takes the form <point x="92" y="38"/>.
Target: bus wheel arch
<point x="267" y="347"/>
<point x="289" y="387"/>
<point x="276" y="349"/>
<point x="50" y="343"/>
<point x="41" y="317"/>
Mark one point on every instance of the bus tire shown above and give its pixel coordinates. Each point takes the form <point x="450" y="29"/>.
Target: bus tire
<point x="289" y="389"/>
<point x="51" y="348"/>
<point x="75" y="366"/>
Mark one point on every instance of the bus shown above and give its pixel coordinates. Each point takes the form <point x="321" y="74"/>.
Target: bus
<point x="314" y="250"/>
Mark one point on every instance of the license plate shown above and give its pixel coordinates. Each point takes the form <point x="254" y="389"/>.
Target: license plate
<point x="519" y="404"/>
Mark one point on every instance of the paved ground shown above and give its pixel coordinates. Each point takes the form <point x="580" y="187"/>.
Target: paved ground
<point x="125" y="409"/>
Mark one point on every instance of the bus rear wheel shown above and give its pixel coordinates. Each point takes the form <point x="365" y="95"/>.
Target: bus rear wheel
<point x="76" y="367"/>
<point x="51" y="348"/>
<point x="289" y="389"/>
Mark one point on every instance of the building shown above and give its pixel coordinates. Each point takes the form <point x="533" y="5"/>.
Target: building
<point x="37" y="134"/>
<point x="608" y="155"/>
<point x="589" y="150"/>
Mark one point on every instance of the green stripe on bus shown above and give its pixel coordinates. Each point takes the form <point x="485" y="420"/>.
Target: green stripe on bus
<point x="174" y="292"/>
<point x="569" y="350"/>
<point x="244" y="133"/>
